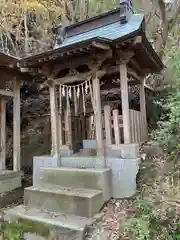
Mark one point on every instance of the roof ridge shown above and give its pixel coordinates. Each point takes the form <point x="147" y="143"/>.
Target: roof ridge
<point x="91" y="18"/>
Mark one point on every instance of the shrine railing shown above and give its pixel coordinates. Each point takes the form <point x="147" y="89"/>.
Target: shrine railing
<point x="113" y="126"/>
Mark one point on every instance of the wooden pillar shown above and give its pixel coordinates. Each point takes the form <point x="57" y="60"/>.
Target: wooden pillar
<point x="54" y="122"/>
<point x="60" y="119"/>
<point x="3" y="135"/>
<point x="60" y="131"/>
<point x="16" y="126"/>
<point x="68" y="127"/>
<point x="108" y="124"/>
<point x="98" y="118"/>
<point x="125" y="103"/>
<point x="116" y="127"/>
<point x="143" y="110"/>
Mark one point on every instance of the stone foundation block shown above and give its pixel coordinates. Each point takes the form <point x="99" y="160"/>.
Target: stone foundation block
<point x="124" y="172"/>
<point x="130" y="151"/>
<point x="43" y="161"/>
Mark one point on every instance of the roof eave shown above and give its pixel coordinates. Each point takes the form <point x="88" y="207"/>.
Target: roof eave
<point x="62" y="50"/>
<point x="152" y="53"/>
<point x="6" y="59"/>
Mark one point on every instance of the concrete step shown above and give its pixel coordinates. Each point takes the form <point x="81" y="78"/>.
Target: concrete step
<point x="98" y="179"/>
<point x="49" y="225"/>
<point x="9" y="180"/>
<point x="47" y="197"/>
<point x="78" y="161"/>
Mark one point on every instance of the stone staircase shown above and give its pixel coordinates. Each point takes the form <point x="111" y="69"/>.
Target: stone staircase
<point x="63" y="202"/>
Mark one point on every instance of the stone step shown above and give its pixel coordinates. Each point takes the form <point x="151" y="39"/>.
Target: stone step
<point x="98" y="179"/>
<point x="77" y="161"/>
<point x="49" y="225"/>
<point x="48" y="197"/>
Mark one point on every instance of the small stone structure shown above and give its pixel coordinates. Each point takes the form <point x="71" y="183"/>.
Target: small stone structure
<point x="95" y="150"/>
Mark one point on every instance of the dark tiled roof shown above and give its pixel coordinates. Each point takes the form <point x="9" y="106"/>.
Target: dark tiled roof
<point x="110" y="31"/>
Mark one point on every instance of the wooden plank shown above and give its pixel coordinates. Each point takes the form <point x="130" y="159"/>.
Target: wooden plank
<point x="116" y="127"/>
<point x="16" y="126"/>
<point x="143" y="110"/>
<point x="78" y="77"/>
<point x="130" y="122"/>
<point x="3" y="135"/>
<point x="60" y="130"/>
<point x="138" y="127"/>
<point x="68" y="127"/>
<point x="54" y="121"/>
<point x="135" y="126"/>
<point x="141" y="127"/>
<point x="60" y="117"/>
<point x="108" y="127"/>
<point x="98" y="118"/>
<point x="131" y="125"/>
<point x="102" y="46"/>
<point x="125" y="103"/>
<point x="6" y="93"/>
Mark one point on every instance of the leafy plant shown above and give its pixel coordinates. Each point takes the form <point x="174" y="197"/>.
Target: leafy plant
<point x="148" y="222"/>
<point x="16" y="230"/>
<point x="168" y="133"/>
<point x="13" y="231"/>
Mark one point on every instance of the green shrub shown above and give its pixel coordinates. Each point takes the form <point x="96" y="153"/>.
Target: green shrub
<point x="168" y="133"/>
<point x="148" y="223"/>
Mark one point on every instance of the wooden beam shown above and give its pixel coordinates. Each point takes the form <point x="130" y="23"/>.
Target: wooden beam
<point x="108" y="124"/>
<point x="116" y="127"/>
<point x="115" y="69"/>
<point x="68" y="127"/>
<point x="77" y="61"/>
<point x="72" y="79"/>
<point x="54" y="121"/>
<point x="125" y="102"/>
<point x="99" y="45"/>
<point x="143" y="110"/>
<point x="78" y="78"/>
<point x="6" y="93"/>
<point x="98" y="121"/>
<point x="16" y="126"/>
<point x="60" y="118"/>
<point x="3" y="134"/>
<point x="83" y="76"/>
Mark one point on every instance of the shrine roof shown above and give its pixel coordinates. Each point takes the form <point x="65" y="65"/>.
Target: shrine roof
<point x="110" y="31"/>
<point x="9" y="68"/>
<point x="77" y="39"/>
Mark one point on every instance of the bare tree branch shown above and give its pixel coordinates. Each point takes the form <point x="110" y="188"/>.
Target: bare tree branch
<point x="162" y="8"/>
<point x="173" y="19"/>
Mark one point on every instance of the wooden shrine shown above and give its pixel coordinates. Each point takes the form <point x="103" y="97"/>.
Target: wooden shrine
<point x="104" y="53"/>
<point x="10" y="78"/>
